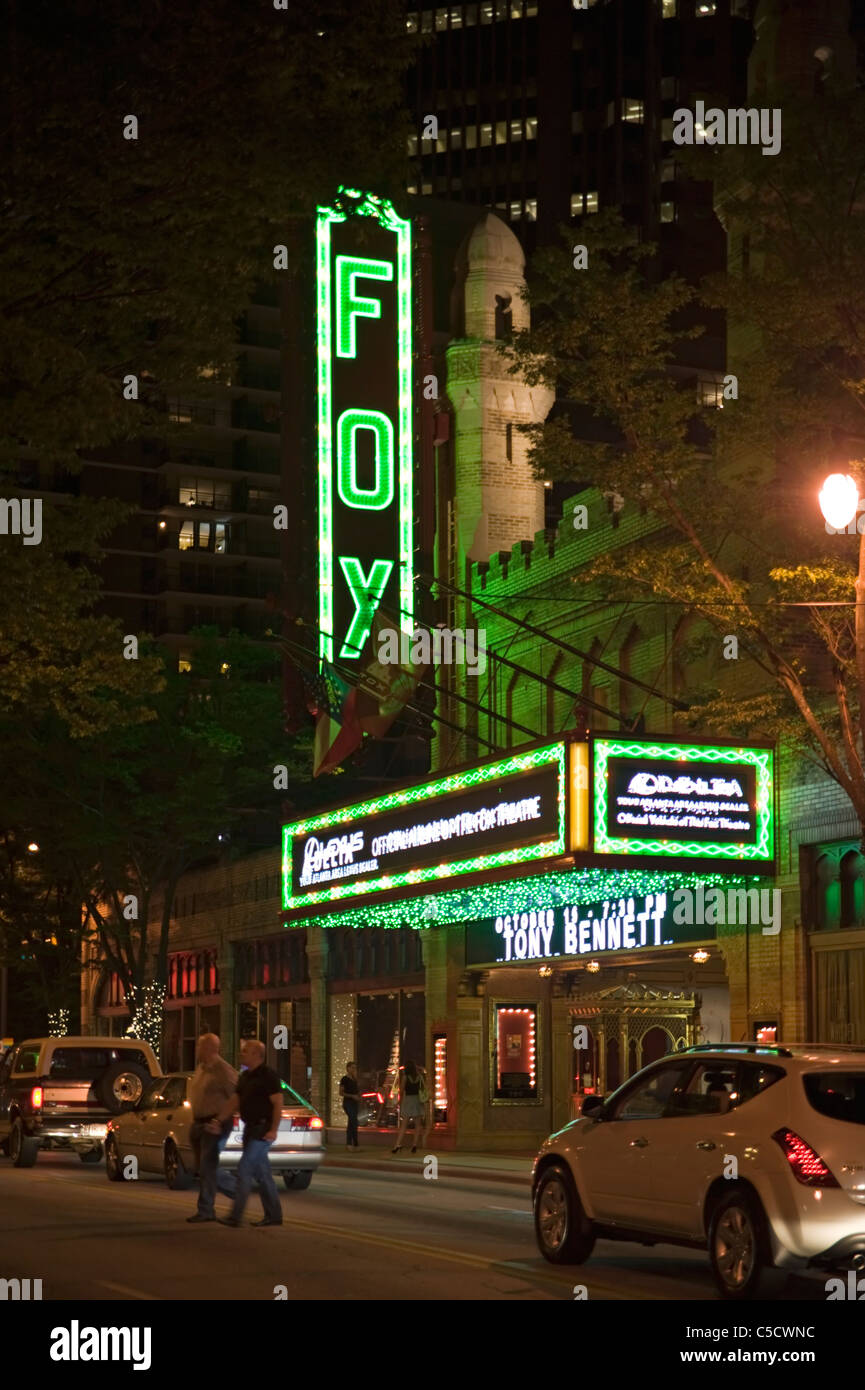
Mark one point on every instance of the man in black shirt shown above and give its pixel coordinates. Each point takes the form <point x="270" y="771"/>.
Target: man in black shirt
<point x="259" y="1099"/>
<point x="350" y="1090"/>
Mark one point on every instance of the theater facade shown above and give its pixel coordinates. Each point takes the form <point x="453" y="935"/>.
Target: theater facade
<point x="579" y="908"/>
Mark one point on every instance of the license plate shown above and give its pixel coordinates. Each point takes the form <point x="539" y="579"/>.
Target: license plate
<point x="94" y="1131"/>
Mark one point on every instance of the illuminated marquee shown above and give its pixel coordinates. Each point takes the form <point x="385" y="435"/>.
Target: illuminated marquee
<point x="507" y="812"/>
<point x="364" y="421"/>
<point x="693" y="801"/>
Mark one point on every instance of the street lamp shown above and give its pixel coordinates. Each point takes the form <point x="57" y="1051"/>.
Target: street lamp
<point x="839" y="500"/>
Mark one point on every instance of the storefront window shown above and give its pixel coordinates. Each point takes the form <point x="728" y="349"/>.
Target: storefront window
<point x="514" y="1056"/>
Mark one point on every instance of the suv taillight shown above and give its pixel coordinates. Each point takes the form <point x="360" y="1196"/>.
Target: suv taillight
<point x="36" y="1098"/>
<point x="316" y="1123"/>
<point x="808" y="1167"/>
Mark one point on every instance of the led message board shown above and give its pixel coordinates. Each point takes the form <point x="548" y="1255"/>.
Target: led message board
<point x="365" y="542"/>
<point x="693" y="801"/>
<point x="501" y="813"/>
<point x="633" y="922"/>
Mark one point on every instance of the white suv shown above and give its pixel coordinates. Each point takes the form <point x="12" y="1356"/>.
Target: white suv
<point x="756" y="1152"/>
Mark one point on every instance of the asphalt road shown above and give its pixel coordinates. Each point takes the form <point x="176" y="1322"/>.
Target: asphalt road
<point x="350" y="1236"/>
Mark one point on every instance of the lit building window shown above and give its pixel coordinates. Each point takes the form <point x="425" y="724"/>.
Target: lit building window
<point x="632" y="110"/>
<point x="184" y="665"/>
<point x="710" y="392"/>
<point x="186" y="539"/>
<point x="668" y="9"/>
<point x="592" y="201"/>
<point x="411" y="188"/>
<point x="706" y="7"/>
<point x="668" y="211"/>
<point x="668" y="170"/>
<point x="532" y="209"/>
<point x="467" y="138"/>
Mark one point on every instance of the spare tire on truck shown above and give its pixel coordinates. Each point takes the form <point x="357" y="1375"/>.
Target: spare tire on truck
<point x="121" y="1086"/>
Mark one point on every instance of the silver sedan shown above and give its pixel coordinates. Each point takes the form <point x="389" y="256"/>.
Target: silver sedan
<point x="154" y="1137"/>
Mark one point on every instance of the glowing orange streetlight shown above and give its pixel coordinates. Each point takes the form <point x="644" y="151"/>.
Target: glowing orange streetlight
<point x="839" y="500"/>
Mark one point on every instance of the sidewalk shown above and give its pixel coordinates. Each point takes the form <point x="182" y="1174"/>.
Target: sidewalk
<point x="374" y="1155"/>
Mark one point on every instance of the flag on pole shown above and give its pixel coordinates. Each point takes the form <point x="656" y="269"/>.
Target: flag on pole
<point x="331" y="702"/>
<point x="384" y="689"/>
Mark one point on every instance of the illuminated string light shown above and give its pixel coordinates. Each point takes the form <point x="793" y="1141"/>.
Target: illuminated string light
<point x="440" y="1068"/>
<point x="536" y="891"/>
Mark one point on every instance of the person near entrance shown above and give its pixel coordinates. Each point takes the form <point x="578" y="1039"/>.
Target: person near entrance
<point x="349" y="1091"/>
<point x="258" y="1097"/>
<point x="211" y="1086"/>
<point x="412" y="1084"/>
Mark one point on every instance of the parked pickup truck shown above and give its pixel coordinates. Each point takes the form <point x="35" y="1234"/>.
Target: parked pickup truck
<point x="60" y="1093"/>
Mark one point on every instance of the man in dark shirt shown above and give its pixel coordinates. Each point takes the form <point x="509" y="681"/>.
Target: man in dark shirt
<point x="350" y="1091"/>
<point x="259" y="1099"/>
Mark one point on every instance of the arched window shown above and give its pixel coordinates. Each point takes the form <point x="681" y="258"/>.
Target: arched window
<point x="827" y="906"/>
<point x="553" y="698"/>
<point x="852" y="889"/>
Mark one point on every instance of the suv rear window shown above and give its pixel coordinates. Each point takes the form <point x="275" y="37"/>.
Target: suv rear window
<point x="86" y="1063"/>
<point x="839" y="1095"/>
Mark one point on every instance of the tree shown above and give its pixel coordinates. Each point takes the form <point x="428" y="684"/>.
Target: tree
<point x="60" y="658"/>
<point x="153" y="156"/>
<point x="195" y="784"/>
<point x="739" y="540"/>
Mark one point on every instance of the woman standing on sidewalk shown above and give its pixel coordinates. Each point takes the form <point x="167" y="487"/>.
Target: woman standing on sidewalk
<point x="410" y="1107"/>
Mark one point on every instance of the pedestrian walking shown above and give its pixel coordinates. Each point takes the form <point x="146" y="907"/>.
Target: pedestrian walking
<point x="258" y="1097"/>
<point x="213" y="1083"/>
<point x="410" y="1107"/>
<point x="349" y="1091"/>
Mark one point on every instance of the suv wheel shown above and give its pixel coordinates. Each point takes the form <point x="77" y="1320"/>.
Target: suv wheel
<point x="563" y="1232"/>
<point x="113" y="1166"/>
<point x="22" y="1149"/>
<point x="121" y="1085"/>
<point x="176" y="1176"/>
<point x="739" y="1246"/>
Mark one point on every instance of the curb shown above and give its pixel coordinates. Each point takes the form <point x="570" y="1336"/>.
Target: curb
<point x="398" y="1165"/>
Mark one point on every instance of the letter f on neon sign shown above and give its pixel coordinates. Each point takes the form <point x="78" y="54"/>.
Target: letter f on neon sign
<point x="366" y="592"/>
<point x="351" y="305"/>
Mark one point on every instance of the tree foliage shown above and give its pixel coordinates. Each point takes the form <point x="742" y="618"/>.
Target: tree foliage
<point x="739" y="539"/>
<point x="135" y="256"/>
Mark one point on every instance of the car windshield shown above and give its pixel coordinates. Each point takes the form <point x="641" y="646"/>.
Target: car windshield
<point x="86" y="1063"/>
<point x="839" y="1095"/>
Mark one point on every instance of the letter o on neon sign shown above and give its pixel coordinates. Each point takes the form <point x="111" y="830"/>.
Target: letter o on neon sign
<point x="380" y="495"/>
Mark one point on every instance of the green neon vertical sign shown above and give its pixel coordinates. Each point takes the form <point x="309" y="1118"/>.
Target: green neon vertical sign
<point x="343" y="304"/>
